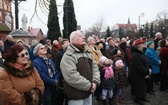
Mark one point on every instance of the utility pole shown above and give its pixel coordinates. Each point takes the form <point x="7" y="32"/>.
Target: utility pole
<point x="16" y="3"/>
<point x="66" y="31"/>
<point x="16" y="15"/>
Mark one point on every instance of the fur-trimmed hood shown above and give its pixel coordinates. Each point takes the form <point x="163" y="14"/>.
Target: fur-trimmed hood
<point x="29" y="67"/>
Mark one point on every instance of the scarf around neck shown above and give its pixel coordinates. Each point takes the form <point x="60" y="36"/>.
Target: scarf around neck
<point x="108" y="72"/>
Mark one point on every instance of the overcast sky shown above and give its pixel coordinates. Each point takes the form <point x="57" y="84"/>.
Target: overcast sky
<point x="89" y="12"/>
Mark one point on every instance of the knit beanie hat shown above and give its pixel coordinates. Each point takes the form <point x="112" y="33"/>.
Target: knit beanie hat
<point x="149" y="43"/>
<point x="114" y="52"/>
<point x="118" y="62"/>
<point x="102" y="59"/>
<point x="36" y="48"/>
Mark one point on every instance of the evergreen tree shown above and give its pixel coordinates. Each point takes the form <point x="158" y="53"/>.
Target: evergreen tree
<point x="152" y="31"/>
<point x="141" y="33"/>
<point x="69" y="18"/>
<point x="108" y="32"/>
<point x="120" y="33"/>
<point x="53" y="22"/>
<point x="147" y="30"/>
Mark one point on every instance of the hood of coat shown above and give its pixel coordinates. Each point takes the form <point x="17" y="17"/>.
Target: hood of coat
<point x="29" y="67"/>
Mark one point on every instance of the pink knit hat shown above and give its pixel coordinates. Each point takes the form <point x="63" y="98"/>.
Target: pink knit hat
<point x="118" y="62"/>
<point x="102" y="59"/>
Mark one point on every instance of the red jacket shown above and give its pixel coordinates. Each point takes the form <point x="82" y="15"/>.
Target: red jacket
<point x="163" y="55"/>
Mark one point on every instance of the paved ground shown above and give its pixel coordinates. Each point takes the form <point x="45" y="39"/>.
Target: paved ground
<point x="160" y="97"/>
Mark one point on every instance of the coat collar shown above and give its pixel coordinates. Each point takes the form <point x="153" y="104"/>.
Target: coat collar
<point x="72" y="49"/>
<point x="29" y="67"/>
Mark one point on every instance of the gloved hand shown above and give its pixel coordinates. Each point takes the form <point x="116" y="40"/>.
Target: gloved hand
<point x="33" y="97"/>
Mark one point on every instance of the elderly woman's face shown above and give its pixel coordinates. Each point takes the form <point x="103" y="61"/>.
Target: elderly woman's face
<point x="42" y="50"/>
<point x="22" y="57"/>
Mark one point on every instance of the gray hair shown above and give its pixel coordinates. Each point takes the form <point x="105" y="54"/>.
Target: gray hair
<point x="89" y="38"/>
<point x="55" y="42"/>
<point x="158" y="33"/>
<point x="9" y="36"/>
<point x="73" y="34"/>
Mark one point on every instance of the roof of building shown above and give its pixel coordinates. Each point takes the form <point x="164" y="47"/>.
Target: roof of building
<point x="19" y="32"/>
<point x="34" y="31"/>
<point x="4" y="27"/>
<point x="125" y="25"/>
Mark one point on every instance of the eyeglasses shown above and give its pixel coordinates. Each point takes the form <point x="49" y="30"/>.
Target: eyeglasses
<point x="42" y="48"/>
<point x="23" y="55"/>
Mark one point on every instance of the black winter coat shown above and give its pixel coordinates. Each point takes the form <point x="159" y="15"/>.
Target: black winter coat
<point x="106" y="83"/>
<point x="140" y="69"/>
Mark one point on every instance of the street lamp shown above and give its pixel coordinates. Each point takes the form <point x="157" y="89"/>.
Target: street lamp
<point x="139" y="18"/>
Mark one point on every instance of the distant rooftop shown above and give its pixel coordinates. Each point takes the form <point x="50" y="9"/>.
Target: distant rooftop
<point x="19" y="32"/>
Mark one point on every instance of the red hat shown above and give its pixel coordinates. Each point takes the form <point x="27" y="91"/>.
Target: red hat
<point x="138" y="41"/>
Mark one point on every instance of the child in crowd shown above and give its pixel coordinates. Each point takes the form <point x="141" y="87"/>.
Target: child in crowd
<point x="107" y="78"/>
<point x="120" y="79"/>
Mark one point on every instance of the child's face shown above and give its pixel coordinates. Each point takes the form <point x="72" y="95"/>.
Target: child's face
<point x="106" y="62"/>
<point x="121" y="65"/>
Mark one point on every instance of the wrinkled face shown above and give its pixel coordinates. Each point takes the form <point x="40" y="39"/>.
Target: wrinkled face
<point x="10" y="39"/>
<point x="42" y="50"/>
<point x="22" y="57"/>
<point x="79" y="39"/>
<point x="143" y="45"/>
<point x="92" y="41"/>
<point x="159" y="36"/>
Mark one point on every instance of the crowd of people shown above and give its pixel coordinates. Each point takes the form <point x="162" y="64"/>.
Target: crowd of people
<point x="79" y="70"/>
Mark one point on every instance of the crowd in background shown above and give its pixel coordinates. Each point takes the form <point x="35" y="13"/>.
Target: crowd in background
<point x="69" y="71"/>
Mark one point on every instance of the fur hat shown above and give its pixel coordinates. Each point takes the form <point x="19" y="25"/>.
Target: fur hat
<point x="102" y="59"/>
<point x="138" y="41"/>
<point x="149" y="43"/>
<point x="36" y="48"/>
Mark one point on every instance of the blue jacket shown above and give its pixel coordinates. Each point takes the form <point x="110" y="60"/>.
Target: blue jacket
<point x="153" y="60"/>
<point x="49" y="82"/>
